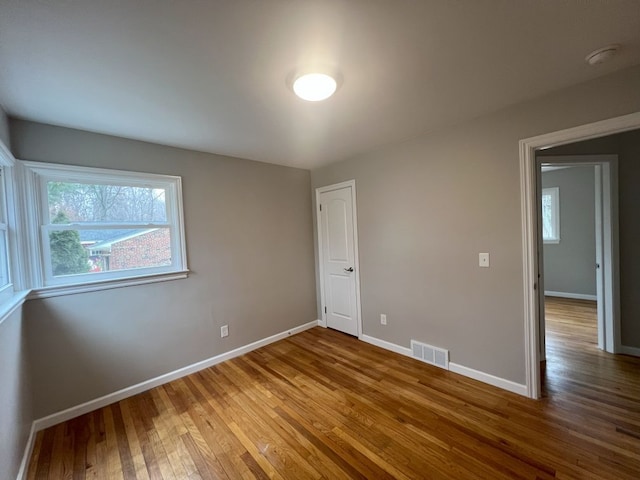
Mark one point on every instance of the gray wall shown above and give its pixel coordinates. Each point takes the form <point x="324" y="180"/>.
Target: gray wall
<point x="569" y="266"/>
<point x="428" y="206"/>
<point x="627" y="147"/>
<point x="629" y="240"/>
<point x="16" y="413"/>
<point x="250" y="251"/>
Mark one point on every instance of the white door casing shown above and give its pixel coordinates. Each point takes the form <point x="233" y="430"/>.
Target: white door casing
<point x="540" y="277"/>
<point x="337" y="242"/>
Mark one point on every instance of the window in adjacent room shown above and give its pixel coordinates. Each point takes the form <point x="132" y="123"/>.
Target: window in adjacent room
<point x="551" y="215"/>
<point x="103" y="226"/>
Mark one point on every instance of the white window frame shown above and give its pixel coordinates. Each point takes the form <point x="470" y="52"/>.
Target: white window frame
<point x="6" y="162"/>
<point x="36" y="175"/>
<point x="13" y="294"/>
<point x="554" y="193"/>
<point x="4" y="236"/>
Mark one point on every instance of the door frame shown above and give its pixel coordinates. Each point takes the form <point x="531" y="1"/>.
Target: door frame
<point x="606" y="235"/>
<point x="319" y="191"/>
<point x="529" y="211"/>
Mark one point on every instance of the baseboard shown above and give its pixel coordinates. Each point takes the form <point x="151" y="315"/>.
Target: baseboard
<point x="24" y="465"/>
<point x="635" y="351"/>
<point x="387" y="345"/>
<point x="322" y="323"/>
<point x="453" y="367"/>
<point x="110" y="398"/>
<point x="574" y="296"/>
<point x="490" y="379"/>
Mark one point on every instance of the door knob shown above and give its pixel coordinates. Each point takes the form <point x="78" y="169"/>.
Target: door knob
<point x="350" y="269"/>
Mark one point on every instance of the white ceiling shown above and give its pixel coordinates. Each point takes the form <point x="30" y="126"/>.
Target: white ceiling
<point x="212" y="75"/>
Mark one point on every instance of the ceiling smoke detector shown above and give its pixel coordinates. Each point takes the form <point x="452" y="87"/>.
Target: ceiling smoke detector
<point x="601" y="55"/>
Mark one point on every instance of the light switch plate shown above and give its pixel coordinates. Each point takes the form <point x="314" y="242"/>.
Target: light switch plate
<point x="224" y="331"/>
<point x="483" y="259"/>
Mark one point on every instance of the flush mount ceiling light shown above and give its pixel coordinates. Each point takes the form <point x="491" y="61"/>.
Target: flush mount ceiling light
<point x="314" y="87"/>
<point x="601" y="55"/>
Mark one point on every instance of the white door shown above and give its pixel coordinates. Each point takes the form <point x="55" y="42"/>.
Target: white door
<point x="337" y="238"/>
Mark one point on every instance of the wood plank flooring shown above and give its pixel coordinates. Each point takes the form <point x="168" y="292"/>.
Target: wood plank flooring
<point x="324" y="405"/>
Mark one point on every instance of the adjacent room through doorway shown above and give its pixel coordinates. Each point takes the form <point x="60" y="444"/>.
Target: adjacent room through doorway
<point x="583" y="353"/>
<point x="568" y="205"/>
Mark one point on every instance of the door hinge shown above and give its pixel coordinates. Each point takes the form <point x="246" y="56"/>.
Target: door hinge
<point x="325" y="310"/>
<point x="320" y="207"/>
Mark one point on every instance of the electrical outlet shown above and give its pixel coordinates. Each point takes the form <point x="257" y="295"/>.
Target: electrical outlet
<point x="483" y="260"/>
<point x="383" y="319"/>
<point x="224" y="331"/>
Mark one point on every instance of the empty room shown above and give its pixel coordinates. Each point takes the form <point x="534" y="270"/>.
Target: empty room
<point x="330" y="239"/>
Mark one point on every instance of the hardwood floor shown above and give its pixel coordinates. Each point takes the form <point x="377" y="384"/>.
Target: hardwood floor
<point x="324" y="405"/>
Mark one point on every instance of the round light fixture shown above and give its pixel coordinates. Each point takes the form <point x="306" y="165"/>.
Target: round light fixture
<point x="314" y="87"/>
<point x="601" y="55"/>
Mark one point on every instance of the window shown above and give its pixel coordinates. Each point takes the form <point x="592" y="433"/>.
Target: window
<point x="10" y="275"/>
<point x="551" y="215"/>
<point x="5" y="280"/>
<point x="96" y="226"/>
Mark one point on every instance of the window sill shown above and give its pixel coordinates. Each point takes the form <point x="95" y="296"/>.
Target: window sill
<point x="10" y="306"/>
<point x="58" y="290"/>
<point x="551" y="242"/>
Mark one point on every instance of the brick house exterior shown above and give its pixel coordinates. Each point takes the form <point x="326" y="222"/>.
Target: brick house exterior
<point x="149" y="249"/>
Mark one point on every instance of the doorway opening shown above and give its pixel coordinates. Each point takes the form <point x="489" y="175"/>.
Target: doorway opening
<point x="532" y="257"/>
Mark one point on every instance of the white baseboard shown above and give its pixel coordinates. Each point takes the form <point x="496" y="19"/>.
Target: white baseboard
<point x="110" y="398"/>
<point x="24" y="465"/>
<point x="574" y="296"/>
<point x="488" y="378"/>
<point x="322" y="323"/>
<point x="453" y="367"/>
<point x="635" y="351"/>
<point x="387" y="345"/>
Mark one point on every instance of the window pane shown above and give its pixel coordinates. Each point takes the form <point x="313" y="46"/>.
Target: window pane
<point x="96" y="251"/>
<point x="4" y="253"/>
<point x="547" y="217"/>
<point x="84" y="202"/>
<point x="4" y="267"/>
